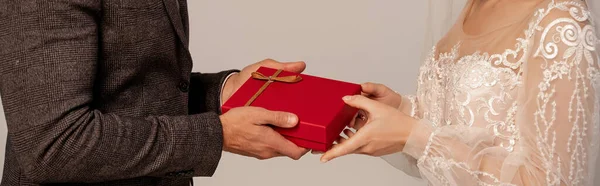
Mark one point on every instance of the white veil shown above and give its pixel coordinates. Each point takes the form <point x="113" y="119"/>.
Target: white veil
<point x="594" y="7"/>
<point x="441" y="16"/>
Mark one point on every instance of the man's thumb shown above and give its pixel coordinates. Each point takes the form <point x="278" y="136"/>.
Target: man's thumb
<point x="296" y="67"/>
<point x="279" y="119"/>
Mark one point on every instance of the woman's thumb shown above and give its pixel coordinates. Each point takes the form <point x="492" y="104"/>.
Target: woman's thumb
<point x="362" y="102"/>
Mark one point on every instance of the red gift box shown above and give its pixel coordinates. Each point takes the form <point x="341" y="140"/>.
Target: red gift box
<point x="316" y="101"/>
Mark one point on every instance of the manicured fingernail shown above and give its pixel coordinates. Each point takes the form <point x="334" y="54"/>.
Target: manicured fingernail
<point x="292" y="120"/>
<point x="346" y="98"/>
<point x="323" y="161"/>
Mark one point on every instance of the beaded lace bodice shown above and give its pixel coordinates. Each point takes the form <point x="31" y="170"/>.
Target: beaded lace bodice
<point x="470" y="91"/>
<point x="518" y="106"/>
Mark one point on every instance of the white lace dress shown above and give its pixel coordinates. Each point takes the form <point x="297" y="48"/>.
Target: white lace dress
<point x="516" y="106"/>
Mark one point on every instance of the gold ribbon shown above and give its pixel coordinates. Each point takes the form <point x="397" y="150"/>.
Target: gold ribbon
<point x="271" y="79"/>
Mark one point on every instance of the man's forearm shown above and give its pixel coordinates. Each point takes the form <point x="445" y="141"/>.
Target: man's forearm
<point x="85" y="145"/>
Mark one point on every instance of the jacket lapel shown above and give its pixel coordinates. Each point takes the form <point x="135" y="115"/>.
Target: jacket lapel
<point x="173" y="10"/>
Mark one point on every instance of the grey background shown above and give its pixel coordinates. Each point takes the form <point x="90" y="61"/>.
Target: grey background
<point x="357" y="41"/>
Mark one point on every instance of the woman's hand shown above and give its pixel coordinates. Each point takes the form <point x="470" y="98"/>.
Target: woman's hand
<point x="379" y="93"/>
<point x="376" y="92"/>
<point x="385" y="132"/>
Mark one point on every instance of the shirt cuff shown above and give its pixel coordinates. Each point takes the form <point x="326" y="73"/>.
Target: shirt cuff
<point x="223" y="87"/>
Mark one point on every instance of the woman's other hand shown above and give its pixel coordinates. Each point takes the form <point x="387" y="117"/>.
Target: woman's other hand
<point x="379" y="93"/>
<point x="385" y="131"/>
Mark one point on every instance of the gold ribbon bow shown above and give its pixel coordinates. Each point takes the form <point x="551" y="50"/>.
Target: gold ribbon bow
<point x="271" y="79"/>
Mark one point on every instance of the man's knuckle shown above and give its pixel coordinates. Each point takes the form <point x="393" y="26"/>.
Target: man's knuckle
<point x="260" y="157"/>
<point x="266" y="155"/>
<point x="296" y="157"/>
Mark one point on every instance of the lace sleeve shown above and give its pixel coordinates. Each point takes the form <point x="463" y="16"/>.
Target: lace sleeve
<point x="558" y="116"/>
<point x="409" y="105"/>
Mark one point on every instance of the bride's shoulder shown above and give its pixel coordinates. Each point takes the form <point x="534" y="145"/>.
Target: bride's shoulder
<point x="560" y="17"/>
<point x="553" y="10"/>
<point x="559" y="27"/>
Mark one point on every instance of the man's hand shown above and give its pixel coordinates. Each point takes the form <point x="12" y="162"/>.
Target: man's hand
<point x="236" y="81"/>
<point x="245" y="133"/>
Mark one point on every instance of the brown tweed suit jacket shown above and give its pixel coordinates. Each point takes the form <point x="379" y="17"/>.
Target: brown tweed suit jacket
<point x="100" y="92"/>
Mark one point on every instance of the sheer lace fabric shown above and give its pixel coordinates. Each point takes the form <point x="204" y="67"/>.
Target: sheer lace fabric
<point x="516" y="106"/>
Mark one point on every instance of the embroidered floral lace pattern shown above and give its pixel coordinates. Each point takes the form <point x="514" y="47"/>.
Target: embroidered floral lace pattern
<point x="527" y="116"/>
